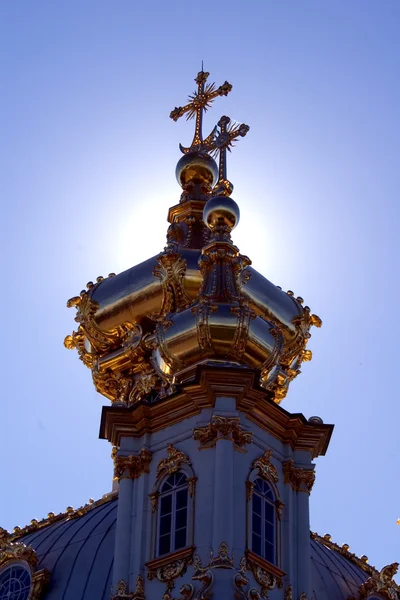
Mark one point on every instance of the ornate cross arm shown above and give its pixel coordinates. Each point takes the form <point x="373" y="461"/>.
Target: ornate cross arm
<point x="200" y="101"/>
<point x="225" y="140"/>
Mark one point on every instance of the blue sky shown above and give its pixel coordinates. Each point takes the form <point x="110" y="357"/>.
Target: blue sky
<point x="87" y="159"/>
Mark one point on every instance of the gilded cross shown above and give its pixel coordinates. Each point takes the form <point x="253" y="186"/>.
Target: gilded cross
<point x="223" y="141"/>
<point x="199" y="102"/>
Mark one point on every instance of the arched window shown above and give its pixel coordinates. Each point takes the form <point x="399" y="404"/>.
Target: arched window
<point x="172" y="529"/>
<point x="15" y="582"/>
<point x="263" y="521"/>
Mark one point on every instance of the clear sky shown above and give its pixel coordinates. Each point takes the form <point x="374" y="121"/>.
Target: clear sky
<point x="87" y="159"/>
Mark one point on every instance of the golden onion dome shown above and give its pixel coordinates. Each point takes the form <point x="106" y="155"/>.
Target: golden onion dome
<point x="199" y="301"/>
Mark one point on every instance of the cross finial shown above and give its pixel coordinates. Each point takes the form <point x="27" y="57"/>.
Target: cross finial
<point x="199" y="102"/>
<point x="225" y="140"/>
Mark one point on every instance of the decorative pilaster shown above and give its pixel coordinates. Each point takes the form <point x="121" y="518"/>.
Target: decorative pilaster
<point x="127" y="469"/>
<point x="223" y="493"/>
<point x="301" y="480"/>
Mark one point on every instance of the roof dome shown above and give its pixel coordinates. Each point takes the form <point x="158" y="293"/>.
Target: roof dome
<point x="199" y="301"/>
<point x="78" y="549"/>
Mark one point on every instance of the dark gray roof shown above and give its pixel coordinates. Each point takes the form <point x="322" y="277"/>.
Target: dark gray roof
<point x="333" y="576"/>
<point x="79" y="554"/>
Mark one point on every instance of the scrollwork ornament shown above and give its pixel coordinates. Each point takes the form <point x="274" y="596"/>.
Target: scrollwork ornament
<point x="265" y="468"/>
<point x="223" y="427"/>
<point x="132" y="466"/>
<point x="172" y="463"/>
<point x="289" y="593"/>
<point x="382" y="583"/>
<point x="301" y="480"/>
<point x="122" y="591"/>
<point x="171" y="270"/>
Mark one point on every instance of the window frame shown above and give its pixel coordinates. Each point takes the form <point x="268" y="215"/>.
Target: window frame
<point x="155" y="497"/>
<point x="272" y="502"/>
<point x="254" y="474"/>
<point x="23" y="565"/>
<point x="173" y="492"/>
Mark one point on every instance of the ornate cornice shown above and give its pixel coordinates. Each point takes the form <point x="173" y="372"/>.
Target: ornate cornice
<point x="176" y="458"/>
<point x="17" y="551"/>
<point x="223" y="428"/>
<point x="301" y="480"/>
<point x="265" y="468"/>
<point x="122" y="590"/>
<point x="132" y="466"/>
<point x="191" y="398"/>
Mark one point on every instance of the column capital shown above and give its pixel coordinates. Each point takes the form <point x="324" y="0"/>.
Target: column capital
<point x="132" y="466"/>
<point x="301" y="480"/>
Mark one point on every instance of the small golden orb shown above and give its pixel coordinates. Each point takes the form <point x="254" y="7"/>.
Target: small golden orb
<point x="196" y="168"/>
<point x="221" y="210"/>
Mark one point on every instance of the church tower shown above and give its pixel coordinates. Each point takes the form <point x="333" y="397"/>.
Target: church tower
<point x="196" y="350"/>
<point x="212" y="477"/>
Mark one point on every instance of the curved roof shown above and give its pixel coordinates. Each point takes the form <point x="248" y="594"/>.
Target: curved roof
<point x="78" y="550"/>
<point x="79" y="554"/>
<point x="334" y="577"/>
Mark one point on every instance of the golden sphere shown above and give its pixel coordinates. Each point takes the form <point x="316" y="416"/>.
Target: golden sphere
<point x="197" y="168"/>
<point x="221" y="210"/>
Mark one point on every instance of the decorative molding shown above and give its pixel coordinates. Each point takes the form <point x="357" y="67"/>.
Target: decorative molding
<point x="279" y="508"/>
<point x="191" y="398"/>
<point x="171" y="270"/>
<point x="132" y="467"/>
<point x="301" y="480"/>
<point x="122" y="591"/>
<point x="289" y="593"/>
<point x="169" y="567"/>
<point x="249" y="490"/>
<point x="361" y="563"/>
<point x="221" y="560"/>
<point x="11" y="552"/>
<point x="186" y="591"/>
<point x="381" y="583"/>
<point x="240" y="580"/>
<point x="70" y="513"/>
<point x="172" y="463"/>
<point x="191" y="481"/>
<point x="220" y="428"/>
<point x="267" y="575"/>
<point x="265" y="468"/>
<point x="154" y="500"/>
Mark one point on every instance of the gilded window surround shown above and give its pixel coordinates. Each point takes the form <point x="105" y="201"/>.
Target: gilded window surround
<point x="191" y="398"/>
<point x="169" y="567"/>
<point x="17" y="552"/>
<point x="267" y="575"/>
<point x="175" y="459"/>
